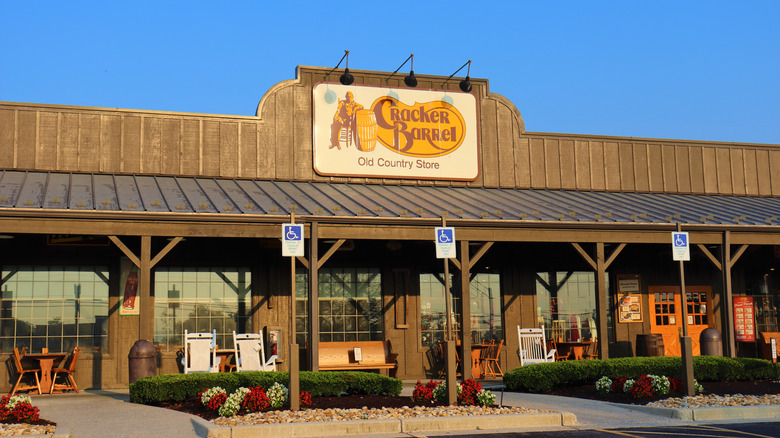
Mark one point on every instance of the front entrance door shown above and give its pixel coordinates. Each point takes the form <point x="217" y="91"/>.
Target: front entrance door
<point x="666" y="315"/>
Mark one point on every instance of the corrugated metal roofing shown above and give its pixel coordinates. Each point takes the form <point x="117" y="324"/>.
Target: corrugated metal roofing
<point x="167" y="194"/>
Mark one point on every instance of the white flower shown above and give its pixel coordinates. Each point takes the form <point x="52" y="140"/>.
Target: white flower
<point x="603" y="385"/>
<point x="486" y="398"/>
<point x="233" y="403"/>
<point x="12" y="401"/>
<point x="440" y="392"/>
<point x="211" y="392"/>
<point x="277" y="394"/>
<point x="627" y="386"/>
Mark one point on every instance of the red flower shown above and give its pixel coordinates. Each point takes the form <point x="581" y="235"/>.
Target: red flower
<point x="424" y="393"/>
<point x="642" y="387"/>
<point x="305" y="399"/>
<point x="468" y="393"/>
<point x="256" y="400"/>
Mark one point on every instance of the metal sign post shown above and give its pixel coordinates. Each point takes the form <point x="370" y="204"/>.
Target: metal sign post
<point x="445" y="249"/>
<point x="681" y="251"/>
<point x="292" y="246"/>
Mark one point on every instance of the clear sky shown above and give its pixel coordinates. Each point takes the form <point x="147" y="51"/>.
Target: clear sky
<point x="701" y="70"/>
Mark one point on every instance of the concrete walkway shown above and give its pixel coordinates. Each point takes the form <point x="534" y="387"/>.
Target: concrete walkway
<point x="109" y="413"/>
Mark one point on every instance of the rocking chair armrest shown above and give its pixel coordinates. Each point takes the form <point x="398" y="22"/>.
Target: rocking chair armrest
<point x="551" y="354"/>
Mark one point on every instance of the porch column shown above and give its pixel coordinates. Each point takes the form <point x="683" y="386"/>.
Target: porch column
<point x="465" y="309"/>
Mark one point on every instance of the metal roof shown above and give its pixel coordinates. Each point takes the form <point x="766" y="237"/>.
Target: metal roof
<point x="190" y="195"/>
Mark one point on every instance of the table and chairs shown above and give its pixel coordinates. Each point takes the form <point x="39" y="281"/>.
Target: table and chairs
<point x="46" y="382"/>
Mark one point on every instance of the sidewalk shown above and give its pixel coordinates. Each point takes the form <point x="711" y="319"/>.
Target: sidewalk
<point x="93" y="414"/>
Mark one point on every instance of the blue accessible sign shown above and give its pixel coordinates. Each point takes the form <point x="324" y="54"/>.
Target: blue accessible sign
<point x="681" y="250"/>
<point x="292" y="240"/>
<point x="445" y="243"/>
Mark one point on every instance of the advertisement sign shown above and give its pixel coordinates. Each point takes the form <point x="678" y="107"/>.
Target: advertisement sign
<point x="630" y="309"/>
<point x="389" y="132"/>
<point x="130" y="304"/>
<point x="292" y="240"/>
<point x="744" y="322"/>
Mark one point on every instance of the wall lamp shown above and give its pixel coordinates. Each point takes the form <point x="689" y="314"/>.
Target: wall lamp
<point x="410" y="80"/>
<point x="346" y="78"/>
<point x="465" y="85"/>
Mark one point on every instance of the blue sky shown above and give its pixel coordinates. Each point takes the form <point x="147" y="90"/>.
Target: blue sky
<point x="662" y="69"/>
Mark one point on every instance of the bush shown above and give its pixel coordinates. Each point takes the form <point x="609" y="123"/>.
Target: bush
<point x="155" y="390"/>
<point x="546" y="376"/>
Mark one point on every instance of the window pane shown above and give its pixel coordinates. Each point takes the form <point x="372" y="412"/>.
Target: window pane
<point x="56" y="307"/>
<point x="201" y="300"/>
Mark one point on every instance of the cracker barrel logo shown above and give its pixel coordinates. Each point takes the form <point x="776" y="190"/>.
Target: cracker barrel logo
<point x="430" y="129"/>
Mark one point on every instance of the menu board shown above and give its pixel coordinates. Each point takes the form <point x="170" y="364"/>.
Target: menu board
<point x="744" y="322"/>
<point x="630" y="308"/>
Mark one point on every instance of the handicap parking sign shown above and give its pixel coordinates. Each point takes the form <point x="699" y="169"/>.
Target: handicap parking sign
<point x="681" y="251"/>
<point x="292" y="240"/>
<point x="445" y="243"/>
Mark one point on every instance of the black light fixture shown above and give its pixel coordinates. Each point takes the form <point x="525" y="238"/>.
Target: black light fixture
<point x="346" y="78"/>
<point x="410" y="80"/>
<point x="465" y="85"/>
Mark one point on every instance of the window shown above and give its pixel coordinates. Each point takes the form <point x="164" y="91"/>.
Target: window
<point x="350" y="305"/>
<point x="566" y="304"/>
<point x="433" y="309"/>
<point x="57" y="307"/>
<point x="486" y="308"/>
<point x="201" y="300"/>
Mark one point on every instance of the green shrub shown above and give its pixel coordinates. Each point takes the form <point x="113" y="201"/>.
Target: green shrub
<point x="179" y="387"/>
<point x="546" y="376"/>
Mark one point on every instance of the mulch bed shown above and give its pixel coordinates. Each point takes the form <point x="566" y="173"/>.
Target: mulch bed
<point x="193" y="407"/>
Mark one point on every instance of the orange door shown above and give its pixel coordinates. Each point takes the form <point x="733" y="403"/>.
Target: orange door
<point x="666" y="315"/>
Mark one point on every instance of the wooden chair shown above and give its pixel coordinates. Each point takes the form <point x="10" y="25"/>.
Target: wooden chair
<point x="492" y="360"/>
<point x="250" y="353"/>
<point x="443" y="349"/>
<point x="591" y="351"/>
<point x="21" y="371"/>
<point x="200" y="352"/>
<point x="552" y="345"/>
<point x="533" y="347"/>
<point x="70" y="382"/>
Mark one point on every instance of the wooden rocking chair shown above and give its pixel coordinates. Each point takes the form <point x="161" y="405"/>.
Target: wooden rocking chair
<point x="70" y="382"/>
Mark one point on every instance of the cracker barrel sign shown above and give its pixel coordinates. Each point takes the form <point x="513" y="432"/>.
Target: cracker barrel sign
<point x="395" y="133"/>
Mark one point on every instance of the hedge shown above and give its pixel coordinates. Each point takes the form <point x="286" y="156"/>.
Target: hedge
<point x="154" y="390"/>
<point x="546" y="376"/>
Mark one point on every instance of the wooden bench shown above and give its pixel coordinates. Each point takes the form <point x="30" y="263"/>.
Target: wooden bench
<point x="766" y="344"/>
<point x="371" y="355"/>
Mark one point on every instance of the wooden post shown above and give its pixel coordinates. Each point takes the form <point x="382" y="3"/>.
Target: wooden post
<point x="146" y="328"/>
<point x="465" y="309"/>
<point x="314" y="307"/>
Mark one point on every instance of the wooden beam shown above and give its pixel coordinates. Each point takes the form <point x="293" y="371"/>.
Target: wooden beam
<point x="480" y="252"/>
<point x="602" y="301"/>
<point x="709" y="255"/>
<point x="738" y="254"/>
<point x="166" y="250"/>
<point x="146" y="328"/>
<point x="331" y="251"/>
<point x="465" y="304"/>
<point x="728" y="305"/>
<point x="314" y="299"/>
<point x="304" y="261"/>
<point x="122" y="247"/>
<point x="585" y="255"/>
<point x="614" y="255"/>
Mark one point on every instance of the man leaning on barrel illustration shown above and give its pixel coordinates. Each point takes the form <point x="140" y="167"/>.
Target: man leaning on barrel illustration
<point x="345" y="116"/>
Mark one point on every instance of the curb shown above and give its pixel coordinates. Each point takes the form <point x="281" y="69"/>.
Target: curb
<point x="762" y="412"/>
<point x="206" y="429"/>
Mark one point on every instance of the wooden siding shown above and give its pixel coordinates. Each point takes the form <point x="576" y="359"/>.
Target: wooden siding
<point x="277" y="145"/>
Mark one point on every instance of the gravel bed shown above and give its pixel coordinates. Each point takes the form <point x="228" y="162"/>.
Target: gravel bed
<point x="309" y="415"/>
<point x="25" y="429"/>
